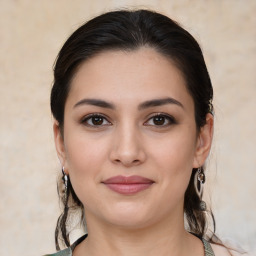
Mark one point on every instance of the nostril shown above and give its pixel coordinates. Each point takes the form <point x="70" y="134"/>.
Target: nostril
<point x="127" y="162"/>
<point x="127" y="154"/>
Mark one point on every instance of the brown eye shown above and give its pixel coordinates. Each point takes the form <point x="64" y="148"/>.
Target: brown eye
<point x="160" y="120"/>
<point x="95" y="120"/>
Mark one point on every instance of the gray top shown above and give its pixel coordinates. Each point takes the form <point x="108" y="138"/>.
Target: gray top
<point x="68" y="252"/>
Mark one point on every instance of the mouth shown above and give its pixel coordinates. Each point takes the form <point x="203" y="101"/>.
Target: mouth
<point x="128" y="185"/>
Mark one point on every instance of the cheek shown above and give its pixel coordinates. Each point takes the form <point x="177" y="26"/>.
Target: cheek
<point x="174" y="157"/>
<point x="84" y="153"/>
<point x="176" y="151"/>
<point x="85" y="157"/>
<point x="85" y="160"/>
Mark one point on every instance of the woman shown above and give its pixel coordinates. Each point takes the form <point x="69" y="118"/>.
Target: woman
<point x="132" y="102"/>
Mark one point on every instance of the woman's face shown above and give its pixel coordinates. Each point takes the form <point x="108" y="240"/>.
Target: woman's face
<point x="130" y="138"/>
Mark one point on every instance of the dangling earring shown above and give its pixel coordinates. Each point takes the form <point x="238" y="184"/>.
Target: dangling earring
<point x="65" y="180"/>
<point x="199" y="180"/>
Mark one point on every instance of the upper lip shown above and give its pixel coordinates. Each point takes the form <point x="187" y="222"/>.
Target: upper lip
<point x="127" y="180"/>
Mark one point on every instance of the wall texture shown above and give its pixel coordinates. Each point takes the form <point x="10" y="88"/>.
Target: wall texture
<point x="32" y="32"/>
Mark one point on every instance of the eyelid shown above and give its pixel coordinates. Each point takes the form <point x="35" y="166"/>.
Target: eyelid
<point x="87" y="117"/>
<point x="171" y="119"/>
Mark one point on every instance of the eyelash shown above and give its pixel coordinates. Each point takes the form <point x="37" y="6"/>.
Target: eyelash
<point x="88" y="117"/>
<point x="171" y="120"/>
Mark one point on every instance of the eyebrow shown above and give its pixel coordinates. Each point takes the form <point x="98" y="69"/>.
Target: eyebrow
<point x="159" y="102"/>
<point x="95" y="102"/>
<point x="144" y="105"/>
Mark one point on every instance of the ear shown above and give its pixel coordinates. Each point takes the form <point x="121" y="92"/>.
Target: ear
<point x="204" y="142"/>
<point x="59" y="144"/>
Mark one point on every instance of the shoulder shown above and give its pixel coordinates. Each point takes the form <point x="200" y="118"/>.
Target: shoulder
<point x="66" y="252"/>
<point x="220" y="250"/>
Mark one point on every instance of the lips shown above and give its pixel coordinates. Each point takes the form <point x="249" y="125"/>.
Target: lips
<point x="128" y="185"/>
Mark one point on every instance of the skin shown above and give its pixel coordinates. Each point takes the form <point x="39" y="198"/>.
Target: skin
<point x="130" y="141"/>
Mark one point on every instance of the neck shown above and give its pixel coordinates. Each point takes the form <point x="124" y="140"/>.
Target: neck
<point x="163" y="238"/>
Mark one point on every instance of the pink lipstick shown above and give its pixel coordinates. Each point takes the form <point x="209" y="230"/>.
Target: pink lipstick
<point x="128" y="185"/>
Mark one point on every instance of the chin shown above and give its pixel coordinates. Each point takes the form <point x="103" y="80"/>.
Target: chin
<point x="129" y="217"/>
<point x="130" y="223"/>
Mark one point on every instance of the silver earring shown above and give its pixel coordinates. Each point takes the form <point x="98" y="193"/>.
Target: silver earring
<point x="65" y="180"/>
<point x="199" y="181"/>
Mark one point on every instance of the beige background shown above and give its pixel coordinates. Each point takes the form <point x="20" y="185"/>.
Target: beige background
<point x="33" y="31"/>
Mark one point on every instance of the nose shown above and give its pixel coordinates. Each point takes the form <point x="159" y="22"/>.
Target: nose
<point x="127" y="147"/>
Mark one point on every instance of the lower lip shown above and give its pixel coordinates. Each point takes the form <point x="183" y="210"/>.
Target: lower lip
<point x="128" y="189"/>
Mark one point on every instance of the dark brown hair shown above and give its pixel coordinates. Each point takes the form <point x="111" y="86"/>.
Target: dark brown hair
<point x="128" y="31"/>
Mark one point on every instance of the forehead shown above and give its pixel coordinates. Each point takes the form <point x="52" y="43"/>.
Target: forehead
<point x="128" y="76"/>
